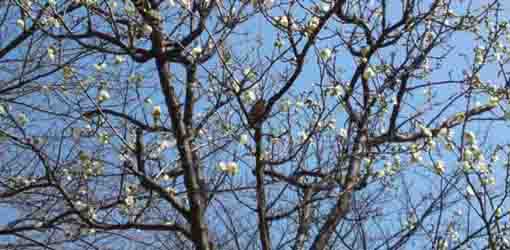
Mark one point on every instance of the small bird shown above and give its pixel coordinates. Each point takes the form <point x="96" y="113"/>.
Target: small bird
<point x="257" y="113"/>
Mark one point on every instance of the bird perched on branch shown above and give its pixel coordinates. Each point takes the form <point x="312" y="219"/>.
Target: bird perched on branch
<point x="257" y="113"/>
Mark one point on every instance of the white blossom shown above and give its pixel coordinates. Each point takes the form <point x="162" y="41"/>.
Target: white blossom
<point x="195" y="52"/>
<point x="466" y="166"/>
<point x="103" y="95"/>
<point x="119" y="59"/>
<point x="22" y="119"/>
<point x="244" y="139"/>
<point x="171" y="191"/>
<point x="147" y="102"/>
<point x="80" y="205"/>
<point x="299" y="104"/>
<point x="439" y="167"/>
<point x="494" y="101"/>
<point x="369" y="73"/>
<point x="250" y="74"/>
<point x="147" y="29"/>
<point x="230" y="167"/>
<point x="431" y="144"/>
<point x="156" y="113"/>
<point x="381" y="173"/>
<point x="166" y="144"/>
<point x="416" y="157"/>
<point x="324" y="6"/>
<point x="249" y="96"/>
<point x="325" y="54"/>
<point x="313" y="24"/>
<point x="489" y="180"/>
<point x="20" y="23"/>
<point x="498" y="212"/>
<point x="442" y="244"/>
<point x="51" y="53"/>
<point x="343" y="133"/>
<point x="452" y="233"/>
<point x="470" y="138"/>
<point x="469" y="191"/>
<point x="282" y="20"/>
<point x="268" y="3"/>
<point x="129" y="201"/>
<point x="100" y="66"/>
<point x="103" y="137"/>
<point x="335" y="91"/>
<point x="426" y="131"/>
<point x="443" y="132"/>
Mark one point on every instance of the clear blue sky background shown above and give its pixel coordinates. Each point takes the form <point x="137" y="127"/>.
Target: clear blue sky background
<point x="455" y="63"/>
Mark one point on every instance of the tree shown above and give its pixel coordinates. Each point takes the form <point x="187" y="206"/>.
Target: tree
<point x="162" y="124"/>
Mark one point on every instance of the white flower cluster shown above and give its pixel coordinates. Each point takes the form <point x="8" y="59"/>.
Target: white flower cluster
<point x="326" y="54"/>
<point x="411" y="222"/>
<point x="479" y="55"/>
<point x="250" y="74"/>
<point x="442" y="244"/>
<point x="135" y="78"/>
<point x="244" y="139"/>
<point x="439" y="167"/>
<point x="452" y="233"/>
<point x="99" y="67"/>
<point x="21" y="24"/>
<point x="415" y="154"/>
<point x="80" y="205"/>
<point x="22" y="119"/>
<point x="22" y="181"/>
<point x="312" y="25"/>
<point x="103" y="95"/>
<point x="171" y="191"/>
<point x="161" y="146"/>
<point x="129" y="201"/>
<point x="90" y="167"/>
<point x="390" y="168"/>
<point x="249" y="96"/>
<point x="335" y="91"/>
<point x="286" y="23"/>
<point x="86" y="2"/>
<point x="103" y="137"/>
<point x="156" y="112"/>
<point x="231" y="168"/>
<point x="369" y="73"/>
<point x="3" y="109"/>
<point x="328" y="125"/>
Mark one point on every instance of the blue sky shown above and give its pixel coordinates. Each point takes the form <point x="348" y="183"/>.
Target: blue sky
<point x="454" y="63"/>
